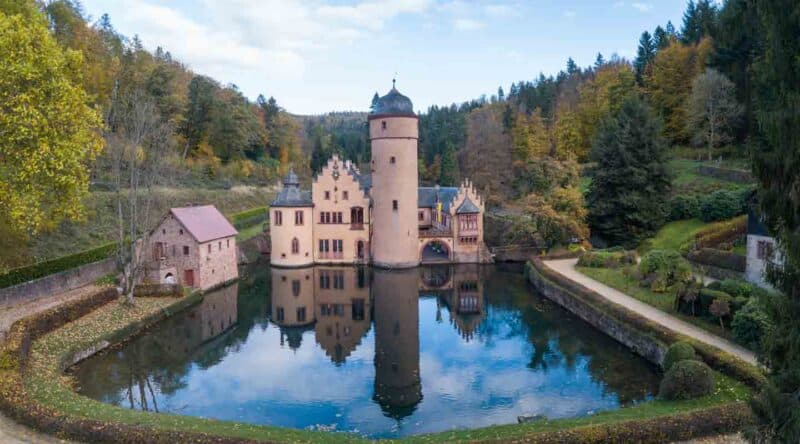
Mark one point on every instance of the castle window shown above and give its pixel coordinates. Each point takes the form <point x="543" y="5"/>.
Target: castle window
<point x="298" y="217"/>
<point x="278" y="218"/>
<point x="209" y="248"/>
<point x="394" y="205"/>
<point x="327" y="195"/>
<point x="383" y="124"/>
<point x="345" y="195"/>
<point x="296" y="287"/>
<point x="219" y="245"/>
<point x="421" y="216"/>
<point x="392" y="160"/>
<point x="185" y="250"/>
<point x="163" y="231"/>
<point x="227" y="243"/>
<point x="181" y="232"/>
<point x="295" y="246"/>
<point x="279" y="314"/>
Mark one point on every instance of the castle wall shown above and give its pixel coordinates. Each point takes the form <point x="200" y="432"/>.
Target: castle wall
<point x="395" y="234"/>
<point x="282" y="235"/>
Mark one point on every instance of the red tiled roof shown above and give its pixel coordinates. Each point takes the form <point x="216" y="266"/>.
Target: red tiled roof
<point x="204" y="223"/>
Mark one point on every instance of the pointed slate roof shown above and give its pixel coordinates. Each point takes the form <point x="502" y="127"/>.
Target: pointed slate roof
<point x="467" y="207"/>
<point x="291" y="195"/>
<point x="428" y="196"/>
<point x="204" y="223"/>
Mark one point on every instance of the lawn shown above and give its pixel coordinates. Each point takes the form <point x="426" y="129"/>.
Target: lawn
<point x="672" y="235"/>
<point x="250" y="232"/>
<point x="615" y="278"/>
<point x="686" y="180"/>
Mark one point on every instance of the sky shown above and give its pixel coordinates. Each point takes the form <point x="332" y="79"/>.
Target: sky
<point x="316" y="56"/>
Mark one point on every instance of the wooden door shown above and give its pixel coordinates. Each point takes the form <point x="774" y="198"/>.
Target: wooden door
<point x="188" y="278"/>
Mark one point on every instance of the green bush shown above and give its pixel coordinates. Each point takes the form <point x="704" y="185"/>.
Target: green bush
<point x="607" y="258"/>
<point x="41" y="269"/>
<point x="679" y="351"/>
<point x="750" y="324"/>
<point x="728" y="231"/>
<point x="687" y="379"/>
<point x="683" y="207"/>
<point x="719" y="259"/>
<point x="707" y="296"/>
<point x="661" y="269"/>
<point x="248" y="218"/>
<point x="722" y="204"/>
<point x="736" y="288"/>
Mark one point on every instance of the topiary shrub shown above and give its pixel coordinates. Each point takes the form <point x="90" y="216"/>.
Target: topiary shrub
<point x="750" y="324"/>
<point x="686" y="379"/>
<point x="684" y="207"/>
<point x="736" y="288"/>
<point x="707" y="296"/>
<point x="679" y="351"/>
<point x="721" y="205"/>
<point x="661" y="269"/>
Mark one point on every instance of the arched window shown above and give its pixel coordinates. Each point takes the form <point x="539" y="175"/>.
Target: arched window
<point x="295" y="246"/>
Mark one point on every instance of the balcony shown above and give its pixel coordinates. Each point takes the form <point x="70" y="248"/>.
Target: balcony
<point x="436" y="231"/>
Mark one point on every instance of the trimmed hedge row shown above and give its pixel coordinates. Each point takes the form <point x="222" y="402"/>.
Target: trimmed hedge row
<point x="718" y="258"/>
<point x="41" y="269"/>
<point x="720" y="232"/>
<point x="717" y="359"/>
<point x="248" y="218"/>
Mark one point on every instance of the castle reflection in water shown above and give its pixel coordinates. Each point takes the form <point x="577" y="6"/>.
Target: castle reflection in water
<point x="338" y="304"/>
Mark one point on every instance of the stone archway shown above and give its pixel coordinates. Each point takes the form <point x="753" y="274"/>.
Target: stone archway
<point x="435" y="251"/>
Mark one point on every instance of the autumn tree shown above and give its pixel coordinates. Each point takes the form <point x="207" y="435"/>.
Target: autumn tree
<point x="49" y="131"/>
<point x="627" y="196"/>
<point x="712" y="110"/>
<point x="669" y="84"/>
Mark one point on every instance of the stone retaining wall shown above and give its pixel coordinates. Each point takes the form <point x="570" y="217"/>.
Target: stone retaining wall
<point x="57" y="283"/>
<point x="642" y="344"/>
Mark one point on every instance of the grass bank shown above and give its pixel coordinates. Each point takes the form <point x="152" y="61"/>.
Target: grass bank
<point x="672" y="235"/>
<point x="616" y="278"/>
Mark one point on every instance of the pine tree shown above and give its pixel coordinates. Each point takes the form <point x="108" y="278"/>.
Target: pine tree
<point x="644" y="56"/>
<point x="501" y="96"/>
<point x="449" y="167"/>
<point x="699" y="21"/>
<point x="660" y="38"/>
<point x="776" y="156"/>
<point x="599" y="61"/>
<point x="627" y="197"/>
<point x="572" y="67"/>
<point x="671" y="29"/>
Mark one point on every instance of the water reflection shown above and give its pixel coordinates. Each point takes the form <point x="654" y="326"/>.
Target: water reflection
<point x="383" y="353"/>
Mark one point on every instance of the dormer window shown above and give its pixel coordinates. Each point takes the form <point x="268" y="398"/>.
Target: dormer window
<point x="383" y="124"/>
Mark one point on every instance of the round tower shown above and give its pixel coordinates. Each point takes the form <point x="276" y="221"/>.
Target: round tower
<point x="291" y="225"/>
<point x="393" y="132"/>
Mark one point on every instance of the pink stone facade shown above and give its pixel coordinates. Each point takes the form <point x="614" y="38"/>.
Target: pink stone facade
<point x="174" y="255"/>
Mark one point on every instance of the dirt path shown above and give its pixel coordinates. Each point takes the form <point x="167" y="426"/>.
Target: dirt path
<point x="11" y="432"/>
<point x="566" y="267"/>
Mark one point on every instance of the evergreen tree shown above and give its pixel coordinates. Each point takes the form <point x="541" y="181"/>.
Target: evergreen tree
<point x="449" y="167"/>
<point x="644" y="55"/>
<point x="699" y="21"/>
<point x="599" y="61"/>
<point x="660" y="38"/>
<point x="670" y="29"/>
<point x="627" y="197"/>
<point x="501" y="96"/>
<point x="572" y="67"/>
<point x="776" y="156"/>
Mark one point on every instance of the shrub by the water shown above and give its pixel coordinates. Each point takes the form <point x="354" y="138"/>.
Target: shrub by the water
<point x="687" y="379"/>
<point x="661" y="269"/>
<point x="679" y="351"/>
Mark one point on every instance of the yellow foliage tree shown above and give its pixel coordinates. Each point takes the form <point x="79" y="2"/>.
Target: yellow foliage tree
<point x="49" y="132"/>
<point x="530" y="137"/>
<point x="669" y="83"/>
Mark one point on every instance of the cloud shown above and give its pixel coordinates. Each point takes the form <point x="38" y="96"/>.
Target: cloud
<point x="465" y="24"/>
<point x="498" y="10"/>
<point x="642" y="7"/>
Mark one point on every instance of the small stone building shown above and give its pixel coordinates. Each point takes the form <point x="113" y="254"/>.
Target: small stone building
<point x="193" y="246"/>
<point x="761" y="250"/>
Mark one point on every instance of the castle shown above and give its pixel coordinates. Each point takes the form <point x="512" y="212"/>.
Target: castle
<point x="383" y="217"/>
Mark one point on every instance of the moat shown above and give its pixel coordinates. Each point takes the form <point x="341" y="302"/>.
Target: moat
<point x="374" y="352"/>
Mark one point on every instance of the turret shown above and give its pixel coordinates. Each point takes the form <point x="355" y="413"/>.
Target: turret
<point x="291" y="227"/>
<point x="393" y="132"/>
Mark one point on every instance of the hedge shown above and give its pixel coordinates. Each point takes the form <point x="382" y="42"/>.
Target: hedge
<point x="41" y="269"/>
<point x="718" y="258"/>
<point x="248" y="218"/>
<point x="714" y="234"/>
<point x="607" y="258"/>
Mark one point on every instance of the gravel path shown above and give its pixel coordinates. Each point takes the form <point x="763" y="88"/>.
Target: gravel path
<point x="10" y="431"/>
<point x="566" y="267"/>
